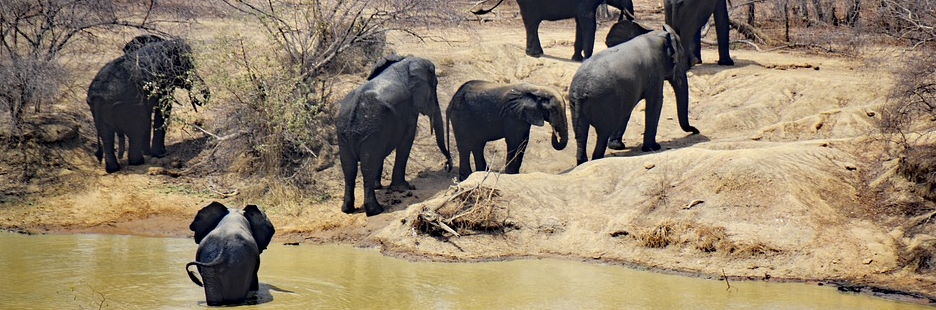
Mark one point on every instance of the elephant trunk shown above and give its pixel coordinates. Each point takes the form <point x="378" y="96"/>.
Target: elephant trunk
<point x="560" y="125"/>
<point x="680" y="83"/>
<point x="196" y="85"/>
<point x="439" y="127"/>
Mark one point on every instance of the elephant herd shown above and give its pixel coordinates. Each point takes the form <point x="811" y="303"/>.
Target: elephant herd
<point x="131" y="98"/>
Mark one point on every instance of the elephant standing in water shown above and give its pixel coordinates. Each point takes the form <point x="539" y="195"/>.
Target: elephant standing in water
<point x="229" y="245"/>
<point x="127" y="91"/>
<point x="606" y="88"/>
<point x="483" y="111"/>
<point x="534" y="12"/>
<point x="688" y="17"/>
<point x="379" y="117"/>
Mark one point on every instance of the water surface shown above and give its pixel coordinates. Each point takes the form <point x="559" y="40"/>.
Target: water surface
<point x="125" y="272"/>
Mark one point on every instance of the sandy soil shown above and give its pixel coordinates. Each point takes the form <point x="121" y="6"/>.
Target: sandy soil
<point x="778" y="186"/>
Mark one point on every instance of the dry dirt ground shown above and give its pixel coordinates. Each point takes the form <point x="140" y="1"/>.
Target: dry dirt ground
<point x="779" y="185"/>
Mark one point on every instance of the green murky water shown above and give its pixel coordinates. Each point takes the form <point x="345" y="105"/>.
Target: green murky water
<point x="124" y="272"/>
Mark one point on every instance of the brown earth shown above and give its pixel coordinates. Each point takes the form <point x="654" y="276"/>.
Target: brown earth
<point x="788" y="180"/>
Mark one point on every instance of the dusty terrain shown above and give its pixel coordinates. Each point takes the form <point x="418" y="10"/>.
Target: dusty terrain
<point x="781" y="184"/>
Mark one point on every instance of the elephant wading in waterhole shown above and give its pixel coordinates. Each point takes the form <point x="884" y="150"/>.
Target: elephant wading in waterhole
<point x="483" y="111"/>
<point x="606" y="88"/>
<point x="380" y="117"/>
<point x="534" y="12"/>
<point x="132" y="96"/>
<point x="229" y="245"/>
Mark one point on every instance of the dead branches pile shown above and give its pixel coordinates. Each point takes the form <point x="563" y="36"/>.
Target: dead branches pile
<point x="467" y="211"/>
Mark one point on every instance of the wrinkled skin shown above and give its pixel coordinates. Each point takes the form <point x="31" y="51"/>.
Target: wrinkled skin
<point x="132" y="96"/>
<point x="380" y="117"/>
<point x="606" y="88"/>
<point x="484" y="111"/>
<point x="583" y="11"/>
<point x="688" y="17"/>
<point x="228" y="257"/>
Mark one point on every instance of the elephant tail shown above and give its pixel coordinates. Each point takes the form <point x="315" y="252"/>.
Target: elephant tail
<point x="191" y="274"/>
<point x="483" y="11"/>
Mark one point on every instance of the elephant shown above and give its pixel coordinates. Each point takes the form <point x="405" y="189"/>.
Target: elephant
<point x="126" y="92"/>
<point x="228" y="257"/>
<point x="583" y="11"/>
<point x="379" y="117"/>
<point x="482" y="111"/>
<point x="688" y="17"/>
<point x="606" y="88"/>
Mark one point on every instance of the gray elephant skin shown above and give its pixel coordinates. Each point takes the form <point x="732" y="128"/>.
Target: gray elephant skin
<point x="534" y="12"/>
<point x="380" y="117"/>
<point x="132" y="96"/>
<point x="623" y="31"/>
<point x="482" y="111"/>
<point x="606" y="88"/>
<point x="688" y="17"/>
<point x="229" y="245"/>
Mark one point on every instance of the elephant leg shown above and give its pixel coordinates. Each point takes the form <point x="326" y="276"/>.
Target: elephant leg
<point x="464" y="161"/>
<point x="580" y="126"/>
<point x="371" y="168"/>
<point x="516" y="147"/>
<point x="478" y="153"/>
<point x="616" y="141"/>
<point x="721" y="30"/>
<point x="398" y="180"/>
<point x="654" y="102"/>
<point x="533" y="47"/>
<point x="254" y="281"/>
<point x="349" y="166"/>
<point x="601" y="145"/>
<point x="160" y="115"/>
<point x="584" y="36"/>
<point x="135" y="150"/>
<point x="106" y="136"/>
<point x="121" y="144"/>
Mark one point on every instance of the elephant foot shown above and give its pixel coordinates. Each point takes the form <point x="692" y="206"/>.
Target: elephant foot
<point x="347" y="207"/>
<point x="374" y="209"/>
<point x="691" y="129"/>
<point x="158" y="153"/>
<point x="112" y="168"/>
<point x="99" y="154"/>
<point x="726" y="62"/>
<point x="652" y="147"/>
<point x="578" y="58"/>
<point x="136" y="161"/>
<point x="615" y="144"/>
<point x="534" y="53"/>
<point x="399" y="188"/>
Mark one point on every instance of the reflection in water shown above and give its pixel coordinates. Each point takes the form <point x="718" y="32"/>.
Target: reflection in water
<point x="123" y="272"/>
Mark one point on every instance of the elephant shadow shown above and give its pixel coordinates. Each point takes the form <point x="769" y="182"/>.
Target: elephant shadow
<point x="711" y="68"/>
<point x="177" y="154"/>
<point x="560" y="59"/>
<point x="676" y="143"/>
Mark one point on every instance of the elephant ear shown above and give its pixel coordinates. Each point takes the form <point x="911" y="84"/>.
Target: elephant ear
<point x="207" y="219"/>
<point x="524" y="104"/>
<point x="383" y="64"/>
<point x="672" y="45"/>
<point x="260" y="226"/>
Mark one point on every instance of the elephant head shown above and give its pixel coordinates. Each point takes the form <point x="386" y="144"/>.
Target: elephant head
<point x="422" y="82"/>
<point x="211" y="215"/>
<point x="534" y="104"/>
<point x="139" y="41"/>
<point x="169" y="64"/>
<point x="676" y="75"/>
<point x="623" y="31"/>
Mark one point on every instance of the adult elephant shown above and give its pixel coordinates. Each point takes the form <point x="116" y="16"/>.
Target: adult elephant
<point x="534" y="12"/>
<point x="688" y="17"/>
<point x="228" y="257"/>
<point x="379" y="117"/>
<point x="606" y="88"/>
<point x="127" y="91"/>
<point x="483" y="111"/>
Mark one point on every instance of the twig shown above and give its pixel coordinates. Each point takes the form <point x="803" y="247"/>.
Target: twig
<point x="692" y="204"/>
<point x="726" y="279"/>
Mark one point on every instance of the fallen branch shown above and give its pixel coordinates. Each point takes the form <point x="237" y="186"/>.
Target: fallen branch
<point x="693" y="204"/>
<point x="435" y="219"/>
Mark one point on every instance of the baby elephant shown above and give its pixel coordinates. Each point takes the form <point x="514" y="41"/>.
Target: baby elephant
<point x="229" y="245"/>
<point x="483" y="111"/>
